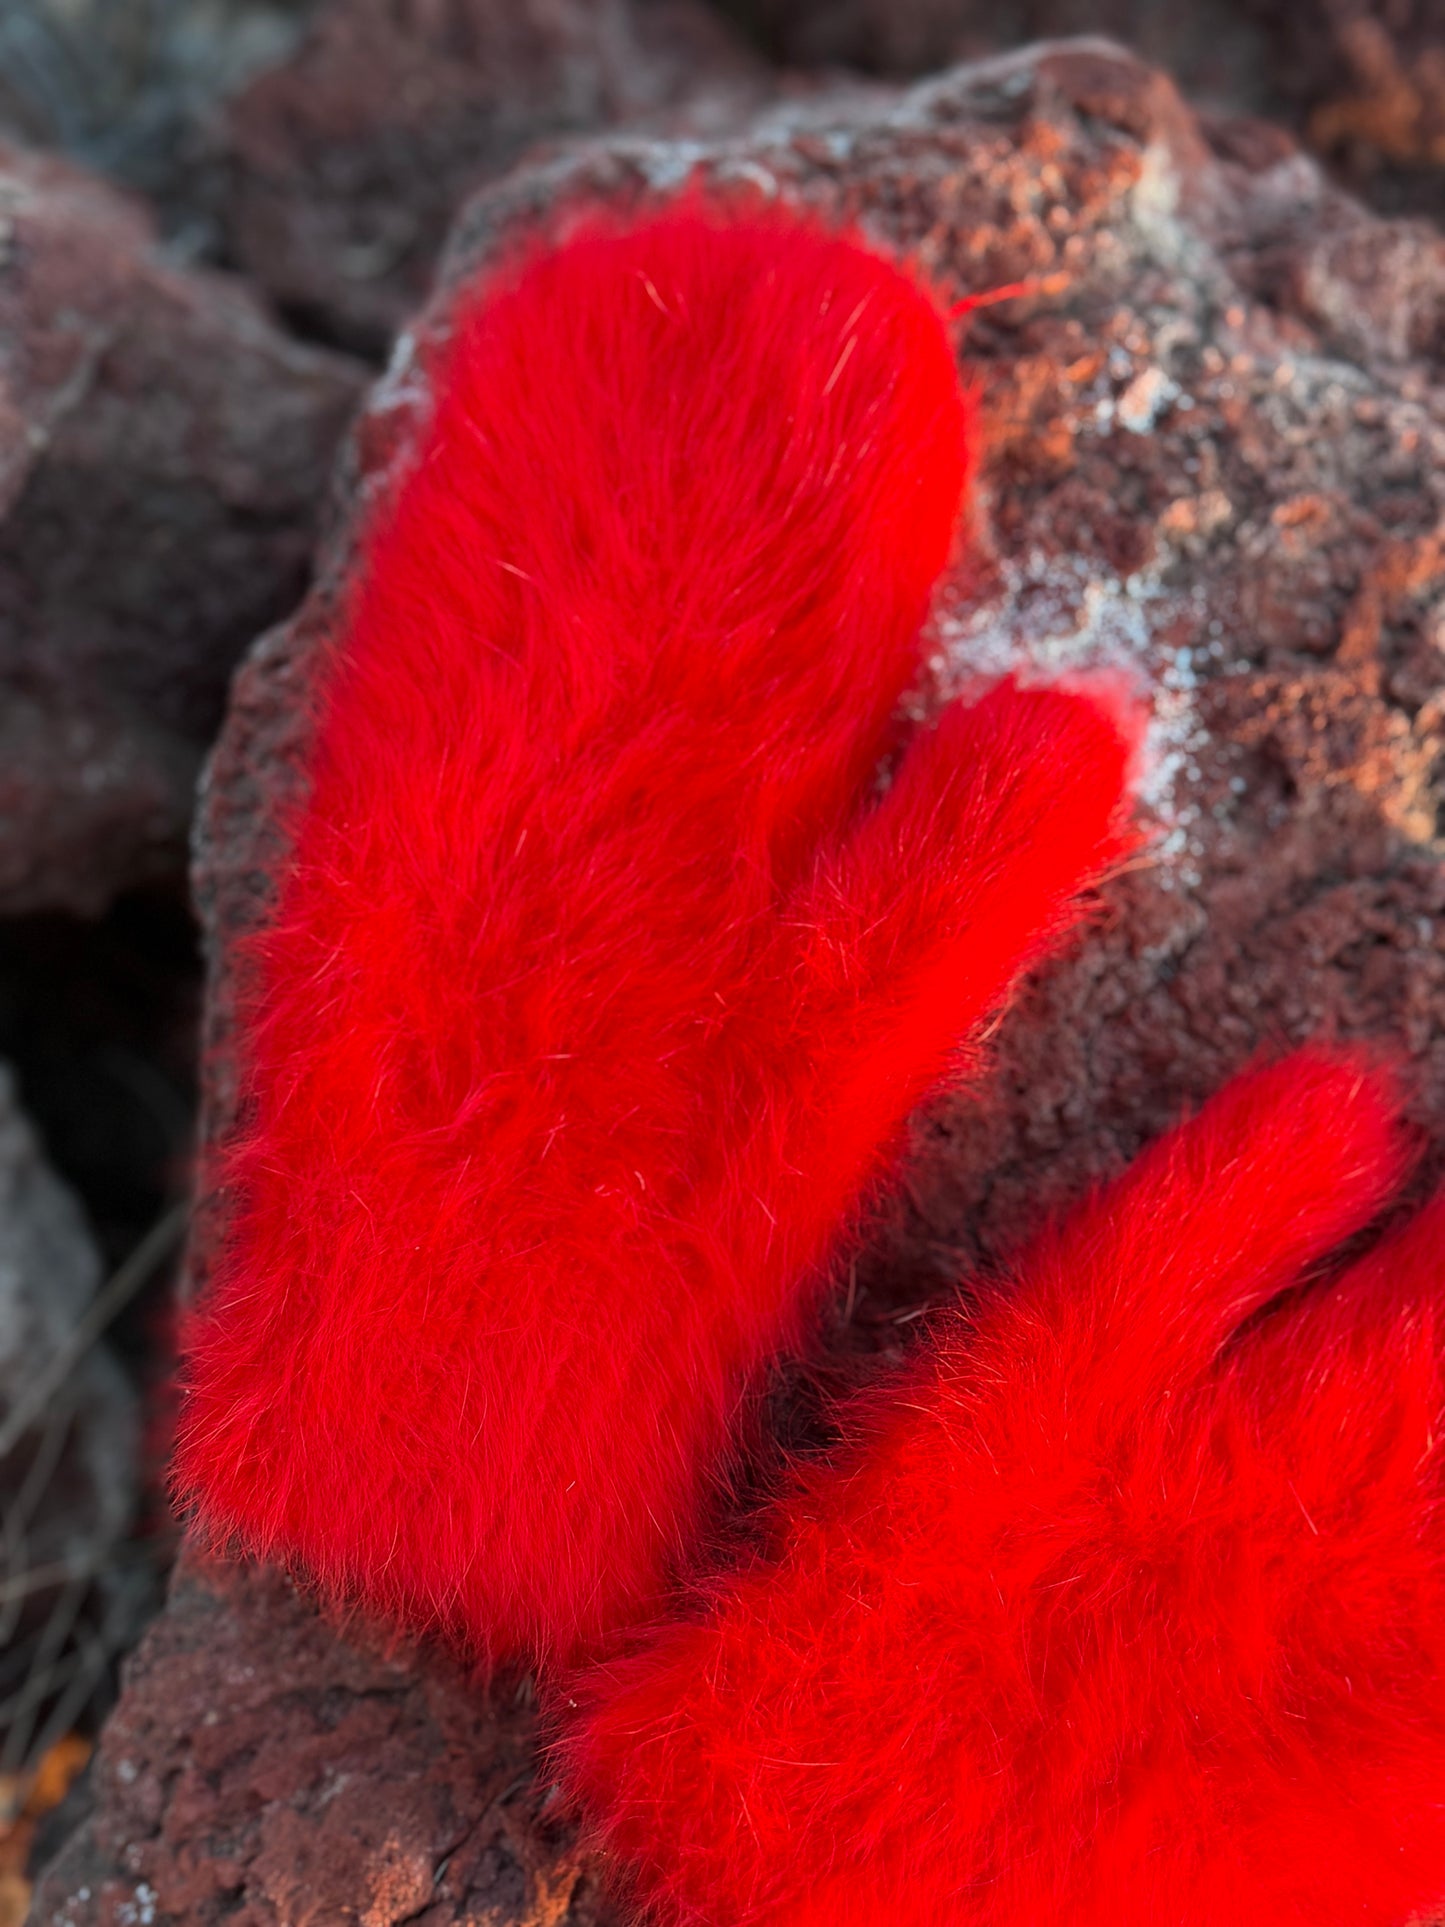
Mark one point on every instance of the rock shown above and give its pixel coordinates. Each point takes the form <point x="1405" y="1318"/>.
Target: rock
<point x="69" y="1476"/>
<point x="1364" y="83"/>
<point x="350" y="158"/>
<point x="1367" y="85"/>
<point x="132" y="91"/>
<point x="1216" y="461"/>
<point x="1214" y="45"/>
<point x="163" y="451"/>
<point x="260" y="1769"/>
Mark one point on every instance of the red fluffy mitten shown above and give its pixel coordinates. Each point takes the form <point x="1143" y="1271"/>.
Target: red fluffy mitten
<point x="602" y="977"/>
<point x="1127" y="1605"/>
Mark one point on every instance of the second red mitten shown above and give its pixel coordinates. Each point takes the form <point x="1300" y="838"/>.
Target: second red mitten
<point x="1126" y="1605"/>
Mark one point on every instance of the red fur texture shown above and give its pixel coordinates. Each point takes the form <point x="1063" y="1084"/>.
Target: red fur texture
<point x="1127" y="1601"/>
<point x="602" y="978"/>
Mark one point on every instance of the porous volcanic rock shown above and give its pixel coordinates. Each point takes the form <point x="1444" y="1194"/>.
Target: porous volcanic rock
<point x="163" y="449"/>
<point x="1368" y="84"/>
<point x="1216" y="461"/>
<point x="350" y="158"/>
<point x="1363" y="81"/>
<point x="261" y="1769"/>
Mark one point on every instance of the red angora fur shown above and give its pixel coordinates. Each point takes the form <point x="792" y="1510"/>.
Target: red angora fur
<point x="602" y="978"/>
<point x="1125" y="1605"/>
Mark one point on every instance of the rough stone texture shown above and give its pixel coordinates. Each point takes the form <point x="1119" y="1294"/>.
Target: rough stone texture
<point x="1363" y="80"/>
<point x="68" y="1481"/>
<point x="351" y="158"/>
<point x="261" y="1770"/>
<point x="1216" y="460"/>
<point x="162" y="453"/>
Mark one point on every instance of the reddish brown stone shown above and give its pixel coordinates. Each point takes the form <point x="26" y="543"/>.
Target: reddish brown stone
<point x="1363" y="81"/>
<point x="162" y="454"/>
<point x="262" y="1770"/>
<point x="350" y="159"/>
<point x="1196" y="473"/>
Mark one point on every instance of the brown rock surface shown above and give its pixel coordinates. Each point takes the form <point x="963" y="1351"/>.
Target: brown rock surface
<point x="162" y="452"/>
<point x="1363" y="80"/>
<point x="1366" y="83"/>
<point x="1217" y="459"/>
<point x="350" y="159"/>
<point x="260" y="1769"/>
